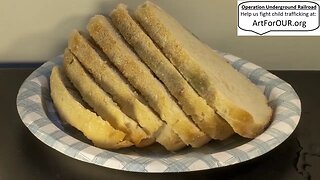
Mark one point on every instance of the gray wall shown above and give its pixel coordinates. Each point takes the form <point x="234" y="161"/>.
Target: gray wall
<point x="37" y="30"/>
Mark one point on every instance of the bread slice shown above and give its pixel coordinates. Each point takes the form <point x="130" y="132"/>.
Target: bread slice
<point x="128" y="101"/>
<point x="235" y="98"/>
<point x="143" y="80"/>
<point x="192" y="104"/>
<point x="101" y="103"/>
<point x="70" y="109"/>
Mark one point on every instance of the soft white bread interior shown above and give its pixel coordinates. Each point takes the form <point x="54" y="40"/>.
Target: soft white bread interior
<point x="192" y="104"/>
<point x="234" y="97"/>
<point x="102" y="103"/>
<point x="113" y="83"/>
<point x="144" y="78"/>
<point x="70" y="109"/>
<point x="139" y="75"/>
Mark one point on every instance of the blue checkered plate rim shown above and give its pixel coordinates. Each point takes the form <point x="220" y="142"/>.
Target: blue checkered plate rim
<point x="37" y="112"/>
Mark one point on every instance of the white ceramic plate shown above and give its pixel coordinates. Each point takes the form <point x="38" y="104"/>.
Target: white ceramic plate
<point x="38" y="114"/>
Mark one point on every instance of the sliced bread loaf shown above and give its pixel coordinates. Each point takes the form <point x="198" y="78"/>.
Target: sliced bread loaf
<point x="70" y="109"/>
<point x="234" y="97"/>
<point x="128" y="101"/>
<point x="138" y="74"/>
<point x="192" y="104"/>
<point x="101" y="103"/>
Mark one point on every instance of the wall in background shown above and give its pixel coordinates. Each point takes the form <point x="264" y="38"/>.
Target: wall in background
<point x="37" y="30"/>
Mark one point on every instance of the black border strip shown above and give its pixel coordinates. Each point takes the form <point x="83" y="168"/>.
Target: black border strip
<point x="21" y="65"/>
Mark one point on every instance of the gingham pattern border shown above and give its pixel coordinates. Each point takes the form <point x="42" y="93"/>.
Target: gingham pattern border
<point x="36" y="110"/>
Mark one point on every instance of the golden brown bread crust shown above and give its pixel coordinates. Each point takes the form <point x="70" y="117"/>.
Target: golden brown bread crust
<point x="192" y="104"/>
<point x="247" y="119"/>
<point x="71" y="110"/>
<point x="241" y="121"/>
<point x="142" y="79"/>
<point x="121" y="93"/>
<point x="101" y="103"/>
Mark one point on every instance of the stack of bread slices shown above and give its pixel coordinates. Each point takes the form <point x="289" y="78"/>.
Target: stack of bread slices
<point x="141" y="78"/>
